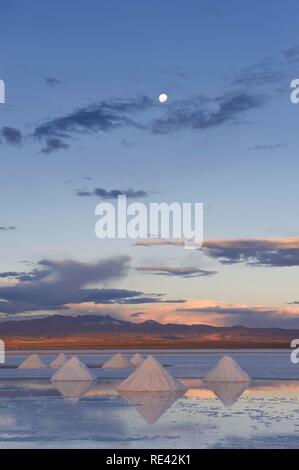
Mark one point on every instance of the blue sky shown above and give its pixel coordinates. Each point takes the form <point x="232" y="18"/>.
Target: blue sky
<point x="227" y="137"/>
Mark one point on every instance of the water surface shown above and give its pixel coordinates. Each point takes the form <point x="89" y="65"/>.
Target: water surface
<point x="36" y="413"/>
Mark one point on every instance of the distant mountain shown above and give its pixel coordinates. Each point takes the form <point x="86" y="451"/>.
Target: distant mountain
<point x="61" y="326"/>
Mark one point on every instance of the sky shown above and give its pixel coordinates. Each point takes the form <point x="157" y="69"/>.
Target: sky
<point x="82" y="118"/>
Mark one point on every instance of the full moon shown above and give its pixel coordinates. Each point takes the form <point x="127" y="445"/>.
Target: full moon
<point x="163" y="98"/>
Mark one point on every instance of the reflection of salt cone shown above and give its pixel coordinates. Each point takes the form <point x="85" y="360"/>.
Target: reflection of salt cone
<point x="151" y="405"/>
<point x="228" y="392"/>
<point x="73" y="390"/>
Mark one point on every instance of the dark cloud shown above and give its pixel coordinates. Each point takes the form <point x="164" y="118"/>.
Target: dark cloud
<point x="53" y="82"/>
<point x="53" y="285"/>
<point x="185" y="272"/>
<point x="263" y="147"/>
<point x="104" y="116"/>
<point x="11" y="135"/>
<point x="77" y="274"/>
<point x="113" y="193"/>
<point x="198" y="113"/>
<point x="261" y="252"/>
<point x="202" y="113"/>
<point x="138" y="314"/>
<point x="151" y="300"/>
<point x="292" y="54"/>
<point x="110" y="296"/>
<point x="9" y="274"/>
<point x="255" y="251"/>
<point x="54" y="144"/>
<point x="9" y="227"/>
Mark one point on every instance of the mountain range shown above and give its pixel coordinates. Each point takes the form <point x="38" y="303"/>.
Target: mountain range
<point x="106" y="331"/>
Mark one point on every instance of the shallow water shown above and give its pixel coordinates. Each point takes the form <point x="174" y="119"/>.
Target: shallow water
<point x="35" y="413"/>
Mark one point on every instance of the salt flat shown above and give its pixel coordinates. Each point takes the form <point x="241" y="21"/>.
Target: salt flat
<point x="37" y="413"/>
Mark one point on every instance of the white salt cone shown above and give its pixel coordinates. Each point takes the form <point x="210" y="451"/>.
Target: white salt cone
<point x="73" y="370"/>
<point x="150" y="376"/>
<point x="118" y="361"/>
<point x="58" y="361"/>
<point x="136" y="360"/>
<point x="227" y="370"/>
<point x="33" y="362"/>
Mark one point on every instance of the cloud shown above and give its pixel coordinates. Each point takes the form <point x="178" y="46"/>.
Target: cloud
<point x="138" y="314"/>
<point x="53" y="82"/>
<point x="220" y="313"/>
<point x="250" y="316"/>
<point x="11" y="135"/>
<point x="185" y="272"/>
<point x="111" y="296"/>
<point x="113" y="193"/>
<point x="202" y="113"/>
<point x="125" y="143"/>
<point x="9" y="227"/>
<point x="197" y="113"/>
<point x="264" y="73"/>
<point x="259" y="252"/>
<point x="53" y="284"/>
<point x="54" y="144"/>
<point x="62" y="285"/>
<point x="104" y="116"/>
<point x="264" y="147"/>
<point x="77" y="273"/>
<point x="159" y="242"/>
<point x="264" y="252"/>
<point x="151" y="300"/>
<point x="181" y="74"/>
<point x="292" y="54"/>
<point x="8" y="274"/>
